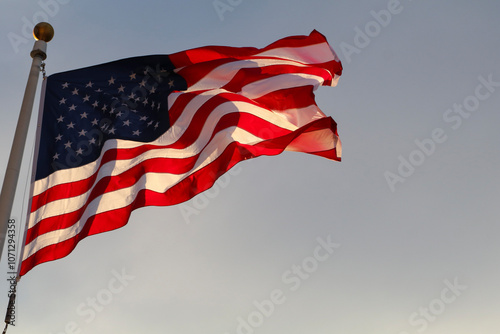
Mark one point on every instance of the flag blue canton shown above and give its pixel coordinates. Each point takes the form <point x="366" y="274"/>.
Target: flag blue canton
<point x="125" y="99"/>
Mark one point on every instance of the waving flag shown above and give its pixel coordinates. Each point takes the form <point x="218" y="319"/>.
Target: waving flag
<point x="158" y="130"/>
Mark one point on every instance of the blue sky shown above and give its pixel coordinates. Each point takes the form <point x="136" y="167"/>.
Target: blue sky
<point x="412" y="209"/>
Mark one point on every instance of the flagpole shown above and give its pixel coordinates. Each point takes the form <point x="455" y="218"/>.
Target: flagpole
<point x="43" y="33"/>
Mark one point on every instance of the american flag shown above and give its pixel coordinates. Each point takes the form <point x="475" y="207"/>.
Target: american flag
<point x="158" y="130"/>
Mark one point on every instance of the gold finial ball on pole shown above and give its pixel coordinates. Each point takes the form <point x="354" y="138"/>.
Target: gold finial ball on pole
<point x="43" y="31"/>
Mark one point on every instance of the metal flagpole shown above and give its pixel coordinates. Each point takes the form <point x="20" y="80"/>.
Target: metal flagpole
<point x="43" y="33"/>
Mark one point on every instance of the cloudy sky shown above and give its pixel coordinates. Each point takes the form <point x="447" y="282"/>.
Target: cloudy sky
<point x="401" y="237"/>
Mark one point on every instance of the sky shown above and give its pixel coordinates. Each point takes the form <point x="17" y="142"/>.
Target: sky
<point x="401" y="237"/>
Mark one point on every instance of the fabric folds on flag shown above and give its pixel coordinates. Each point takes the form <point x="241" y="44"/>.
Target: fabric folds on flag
<point x="158" y="130"/>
